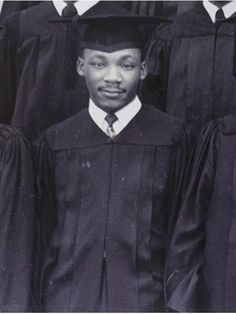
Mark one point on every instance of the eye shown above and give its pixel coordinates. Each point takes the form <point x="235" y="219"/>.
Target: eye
<point x="97" y="64"/>
<point x="128" y="66"/>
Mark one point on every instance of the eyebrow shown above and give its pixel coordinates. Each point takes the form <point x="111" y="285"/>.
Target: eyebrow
<point x="98" y="56"/>
<point x="129" y="56"/>
<point x="122" y="58"/>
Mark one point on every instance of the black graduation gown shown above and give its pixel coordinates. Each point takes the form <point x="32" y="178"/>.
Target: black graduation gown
<point x="104" y="212"/>
<point x="150" y="8"/>
<point x="11" y="7"/>
<point x="6" y="91"/>
<point x="202" y="255"/>
<point x="159" y="8"/>
<point x="43" y="77"/>
<point x="17" y="221"/>
<point x="191" y="69"/>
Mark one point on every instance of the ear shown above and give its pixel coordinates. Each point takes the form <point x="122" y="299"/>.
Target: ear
<point x="144" y="71"/>
<point x="80" y="66"/>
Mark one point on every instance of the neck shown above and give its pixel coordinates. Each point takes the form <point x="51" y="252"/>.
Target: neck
<point x="220" y="4"/>
<point x="70" y="1"/>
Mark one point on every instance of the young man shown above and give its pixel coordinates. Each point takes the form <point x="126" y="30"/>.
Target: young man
<point x="106" y="180"/>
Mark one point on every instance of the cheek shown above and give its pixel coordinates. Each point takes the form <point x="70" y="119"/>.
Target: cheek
<point x="132" y="80"/>
<point x="92" y="77"/>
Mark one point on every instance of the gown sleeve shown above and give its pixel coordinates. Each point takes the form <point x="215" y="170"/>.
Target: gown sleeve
<point x="45" y="208"/>
<point x="17" y="201"/>
<point x="186" y="243"/>
<point x="184" y="149"/>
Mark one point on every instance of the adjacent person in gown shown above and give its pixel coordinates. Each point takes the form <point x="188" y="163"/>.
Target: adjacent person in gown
<point x="202" y="256"/>
<point x="16" y="185"/>
<point x="17" y="201"/>
<point x="191" y="65"/>
<point x="17" y="198"/>
<point x="7" y="8"/>
<point x="41" y="73"/>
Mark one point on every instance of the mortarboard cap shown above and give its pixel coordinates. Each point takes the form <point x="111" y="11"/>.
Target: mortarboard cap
<point x="110" y="27"/>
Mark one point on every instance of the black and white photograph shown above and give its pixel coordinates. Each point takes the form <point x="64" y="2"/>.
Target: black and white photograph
<point x="117" y="156"/>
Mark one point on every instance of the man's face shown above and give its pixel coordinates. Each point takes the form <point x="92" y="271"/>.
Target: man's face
<point x="112" y="78"/>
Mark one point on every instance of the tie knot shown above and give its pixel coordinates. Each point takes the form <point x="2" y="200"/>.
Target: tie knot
<point x="69" y="11"/>
<point x="220" y="15"/>
<point x="111" y="118"/>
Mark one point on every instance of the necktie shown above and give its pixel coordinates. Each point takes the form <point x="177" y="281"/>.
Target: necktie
<point x="69" y="11"/>
<point x="71" y="46"/>
<point x="220" y="15"/>
<point x="219" y="19"/>
<point x="111" y="118"/>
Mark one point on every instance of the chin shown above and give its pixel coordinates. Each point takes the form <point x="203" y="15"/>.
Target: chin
<point x="112" y="106"/>
<point x="110" y="109"/>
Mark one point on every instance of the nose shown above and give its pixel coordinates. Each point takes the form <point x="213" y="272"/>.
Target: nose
<point x="113" y="75"/>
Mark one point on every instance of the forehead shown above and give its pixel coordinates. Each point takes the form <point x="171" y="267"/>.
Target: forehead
<point x="134" y="53"/>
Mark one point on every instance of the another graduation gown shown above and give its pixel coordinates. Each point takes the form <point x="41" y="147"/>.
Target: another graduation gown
<point x="202" y="255"/>
<point x="46" y="87"/>
<point x="104" y="212"/>
<point x="11" y="7"/>
<point x="159" y="8"/>
<point x="17" y="221"/>
<point x="6" y="91"/>
<point x="191" y="69"/>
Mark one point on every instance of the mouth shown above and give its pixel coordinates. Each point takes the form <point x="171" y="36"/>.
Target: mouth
<point x="112" y="92"/>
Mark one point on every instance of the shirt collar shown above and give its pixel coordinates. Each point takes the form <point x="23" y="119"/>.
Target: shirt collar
<point x="228" y="9"/>
<point x="81" y="6"/>
<point x="1" y="4"/>
<point x="127" y="113"/>
<point x="124" y="115"/>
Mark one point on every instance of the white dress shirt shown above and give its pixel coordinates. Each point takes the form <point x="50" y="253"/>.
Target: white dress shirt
<point x="124" y="115"/>
<point x="81" y="6"/>
<point x="228" y="9"/>
<point x="1" y="4"/>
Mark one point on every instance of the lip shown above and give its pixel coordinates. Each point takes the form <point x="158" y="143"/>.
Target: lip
<point x="111" y="93"/>
<point x="112" y="90"/>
